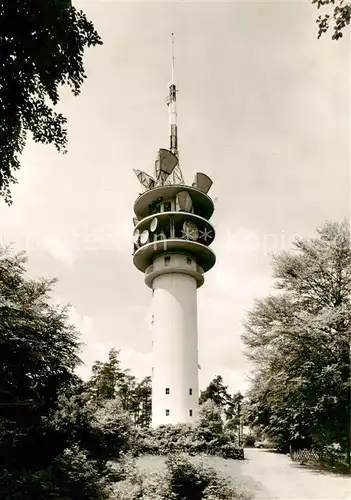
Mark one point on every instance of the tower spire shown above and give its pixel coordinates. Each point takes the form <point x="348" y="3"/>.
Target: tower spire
<point x="173" y="82"/>
<point x="176" y="177"/>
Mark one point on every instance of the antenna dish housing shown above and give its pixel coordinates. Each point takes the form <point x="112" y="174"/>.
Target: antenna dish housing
<point x="136" y="235"/>
<point x="153" y="224"/>
<point x="164" y="165"/>
<point x="145" y="179"/>
<point x="202" y="182"/>
<point x="184" y="202"/>
<point x="190" y="231"/>
<point x="144" y="237"/>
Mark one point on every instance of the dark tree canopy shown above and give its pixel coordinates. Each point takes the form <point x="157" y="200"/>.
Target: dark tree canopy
<point x="338" y="18"/>
<point x="42" y="44"/>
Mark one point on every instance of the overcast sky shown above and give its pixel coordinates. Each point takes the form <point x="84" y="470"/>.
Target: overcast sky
<point x="263" y="109"/>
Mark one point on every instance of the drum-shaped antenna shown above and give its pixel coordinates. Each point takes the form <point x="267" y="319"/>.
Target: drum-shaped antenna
<point x="136" y="235"/>
<point x="190" y="231"/>
<point x="135" y="221"/>
<point x="202" y="182"/>
<point x="153" y="224"/>
<point x="144" y="237"/>
<point x="184" y="202"/>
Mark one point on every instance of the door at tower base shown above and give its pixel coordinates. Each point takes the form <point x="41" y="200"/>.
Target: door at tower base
<point x="175" y="350"/>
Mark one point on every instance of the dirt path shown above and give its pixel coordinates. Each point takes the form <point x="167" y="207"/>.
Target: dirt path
<point x="277" y="477"/>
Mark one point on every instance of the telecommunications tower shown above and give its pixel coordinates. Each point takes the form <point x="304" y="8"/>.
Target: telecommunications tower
<point x="172" y="237"/>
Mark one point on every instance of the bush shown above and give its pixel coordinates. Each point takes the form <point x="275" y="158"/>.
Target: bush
<point x="190" y="479"/>
<point x="180" y="438"/>
<point x="229" y="450"/>
<point x="249" y="440"/>
<point x="71" y="475"/>
<point x="141" y="486"/>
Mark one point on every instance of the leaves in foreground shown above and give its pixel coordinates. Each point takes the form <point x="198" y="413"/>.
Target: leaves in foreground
<point x="42" y="44"/>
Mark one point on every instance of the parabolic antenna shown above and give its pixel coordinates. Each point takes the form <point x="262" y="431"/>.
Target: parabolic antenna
<point x="144" y="237"/>
<point x="145" y="179"/>
<point x="202" y="182"/>
<point x="153" y="224"/>
<point x="164" y="165"/>
<point x="184" y="202"/>
<point x="136" y="235"/>
<point x="190" y="231"/>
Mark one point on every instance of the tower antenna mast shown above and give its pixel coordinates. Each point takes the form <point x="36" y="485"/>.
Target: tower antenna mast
<point x="176" y="177"/>
<point x="173" y="82"/>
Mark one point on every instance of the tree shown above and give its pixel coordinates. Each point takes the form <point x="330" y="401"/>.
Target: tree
<point x="110" y="381"/>
<point x="210" y="424"/>
<point x="340" y="13"/>
<point x="299" y="343"/>
<point x="216" y="391"/>
<point x="229" y="404"/>
<point x="38" y="354"/>
<point x="42" y="43"/>
<point x="105" y="378"/>
<point x="140" y="406"/>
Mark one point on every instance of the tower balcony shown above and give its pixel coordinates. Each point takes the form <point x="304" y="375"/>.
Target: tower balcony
<point x="147" y="202"/>
<point x="173" y="232"/>
<point x="144" y="256"/>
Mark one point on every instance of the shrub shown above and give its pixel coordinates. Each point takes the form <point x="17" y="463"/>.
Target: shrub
<point x="142" y="486"/>
<point x="71" y="475"/>
<point x="230" y="450"/>
<point x="249" y="440"/>
<point x="190" y="479"/>
<point x="185" y="438"/>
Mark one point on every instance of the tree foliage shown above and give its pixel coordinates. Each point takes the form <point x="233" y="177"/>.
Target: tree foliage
<point x="38" y="353"/>
<point x="229" y="404"/>
<point x="216" y="391"/>
<point x="210" y="423"/>
<point x="299" y="341"/>
<point x="338" y="18"/>
<point x="110" y="381"/>
<point x="42" y="43"/>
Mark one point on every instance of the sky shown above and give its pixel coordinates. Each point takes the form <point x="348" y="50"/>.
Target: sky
<point x="263" y="109"/>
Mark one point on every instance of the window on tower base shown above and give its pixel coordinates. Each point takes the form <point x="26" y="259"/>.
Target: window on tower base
<point x="167" y="413"/>
<point x="190" y="413"/>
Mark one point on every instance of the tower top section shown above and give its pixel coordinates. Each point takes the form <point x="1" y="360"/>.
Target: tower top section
<point x="172" y="216"/>
<point x="167" y="169"/>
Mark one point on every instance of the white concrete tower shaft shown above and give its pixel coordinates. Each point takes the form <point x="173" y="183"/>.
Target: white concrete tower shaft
<point x="175" y="344"/>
